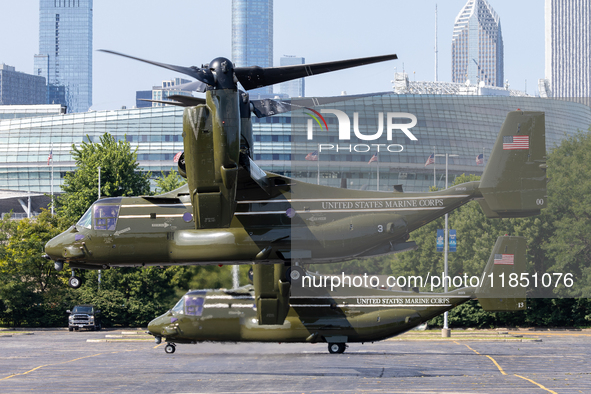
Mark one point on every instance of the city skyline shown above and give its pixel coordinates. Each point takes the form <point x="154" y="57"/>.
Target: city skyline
<point x="379" y="28"/>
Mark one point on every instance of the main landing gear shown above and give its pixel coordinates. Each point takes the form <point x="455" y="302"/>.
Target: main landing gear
<point x="336" y="348"/>
<point x="170" y="348"/>
<point x="74" y="281"/>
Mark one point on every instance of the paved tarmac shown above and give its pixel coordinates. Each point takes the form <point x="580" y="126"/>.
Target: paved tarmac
<point x="64" y="362"/>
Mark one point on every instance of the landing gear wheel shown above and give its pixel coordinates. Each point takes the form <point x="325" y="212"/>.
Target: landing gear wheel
<point x="337" y="348"/>
<point x="170" y="348"/>
<point x="75" y="282"/>
<point x="294" y="274"/>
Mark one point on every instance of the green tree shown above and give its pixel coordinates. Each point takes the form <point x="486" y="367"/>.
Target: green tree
<point x="569" y="206"/>
<point x="32" y="292"/>
<point x="120" y="175"/>
<point x="170" y="182"/>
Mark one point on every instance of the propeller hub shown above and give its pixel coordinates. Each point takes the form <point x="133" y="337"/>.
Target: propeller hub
<point x="224" y="72"/>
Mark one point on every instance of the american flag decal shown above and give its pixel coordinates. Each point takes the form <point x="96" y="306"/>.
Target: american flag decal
<point x="505" y="259"/>
<point x="511" y="142"/>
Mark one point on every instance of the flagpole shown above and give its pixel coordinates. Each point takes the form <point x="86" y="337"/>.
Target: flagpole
<point x="318" y="165"/>
<point x="378" y="176"/>
<point x="434" y="166"/>
<point x="52" y="203"/>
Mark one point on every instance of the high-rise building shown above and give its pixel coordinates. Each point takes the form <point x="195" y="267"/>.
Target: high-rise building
<point x="65" y="52"/>
<point x="477" y="45"/>
<point x="296" y="87"/>
<point x="252" y="36"/>
<point x="17" y="88"/>
<point x="568" y="49"/>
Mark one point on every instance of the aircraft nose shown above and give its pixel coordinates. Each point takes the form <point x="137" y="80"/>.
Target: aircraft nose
<point x="155" y="326"/>
<point x="53" y="248"/>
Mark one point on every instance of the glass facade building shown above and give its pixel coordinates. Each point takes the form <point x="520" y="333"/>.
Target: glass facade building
<point x="65" y="52"/>
<point x="17" y="88"/>
<point x="568" y="48"/>
<point x="462" y="125"/>
<point x="28" y="111"/>
<point x="477" y="45"/>
<point x="252" y="36"/>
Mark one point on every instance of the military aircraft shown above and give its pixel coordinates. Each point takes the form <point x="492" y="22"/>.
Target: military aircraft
<point x="336" y="317"/>
<point x="233" y="212"/>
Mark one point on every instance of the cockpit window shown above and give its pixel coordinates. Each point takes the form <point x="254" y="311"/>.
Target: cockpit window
<point x="194" y="305"/>
<point x="86" y="220"/>
<point x="105" y="217"/>
<point x="179" y="307"/>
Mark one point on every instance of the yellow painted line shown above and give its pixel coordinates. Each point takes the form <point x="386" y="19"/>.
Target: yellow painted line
<point x="157" y="346"/>
<point x="575" y="334"/>
<point x="504" y="373"/>
<point x="497" y="364"/>
<point x="48" y="365"/>
<point x="537" y="384"/>
<point x="469" y="348"/>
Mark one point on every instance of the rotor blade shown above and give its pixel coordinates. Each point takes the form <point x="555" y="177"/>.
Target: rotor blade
<point x="189" y="100"/>
<point x="203" y="75"/>
<point x="269" y="107"/>
<point x="177" y="103"/>
<point x="195" y="86"/>
<point x="256" y="77"/>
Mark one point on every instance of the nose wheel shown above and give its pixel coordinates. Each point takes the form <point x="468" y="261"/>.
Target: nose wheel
<point x="170" y="348"/>
<point x="336" y="348"/>
<point x="74" y="281"/>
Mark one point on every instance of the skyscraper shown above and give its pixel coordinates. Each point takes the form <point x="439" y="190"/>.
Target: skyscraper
<point x="65" y="52"/>
<point x="477" y="45"/>
<point x="252" y="36"/>
<point x="296" y="87"/>
<point x="568" y="48"/>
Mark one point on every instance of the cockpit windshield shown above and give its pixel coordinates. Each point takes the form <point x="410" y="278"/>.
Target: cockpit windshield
<point x="194" y="305"/>
<point x="86" y="219"/>
<point x="180" y="306"/>
<point x="100" y="217"/>
<point x="190" y="304"/>
<point x="105" y="217"/>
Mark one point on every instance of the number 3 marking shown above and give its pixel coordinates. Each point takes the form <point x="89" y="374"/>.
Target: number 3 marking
<point x="380" y="228"/>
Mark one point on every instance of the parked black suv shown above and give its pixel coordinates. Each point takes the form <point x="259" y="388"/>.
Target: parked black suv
<point x="84" y="316"/>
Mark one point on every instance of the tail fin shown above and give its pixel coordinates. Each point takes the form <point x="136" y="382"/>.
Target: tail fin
<point x="498" y="292"/>
<point x="514" y="181"/>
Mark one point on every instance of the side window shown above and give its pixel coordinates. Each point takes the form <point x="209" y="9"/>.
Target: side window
<point x="105" y="217"/>
<point x="194" y="305"/>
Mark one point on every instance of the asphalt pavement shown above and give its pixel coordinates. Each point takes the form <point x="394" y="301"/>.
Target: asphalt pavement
<point x="66" y="362"/>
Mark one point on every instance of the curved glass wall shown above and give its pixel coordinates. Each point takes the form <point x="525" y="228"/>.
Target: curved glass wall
<point x="461" y="125"/>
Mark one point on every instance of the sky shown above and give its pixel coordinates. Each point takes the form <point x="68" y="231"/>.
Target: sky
<point x="193" y="32"/>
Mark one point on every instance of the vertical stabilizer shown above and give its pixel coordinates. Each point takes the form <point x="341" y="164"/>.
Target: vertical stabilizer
<point x="501" y="288"/>
<point x="514" y="181"/>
